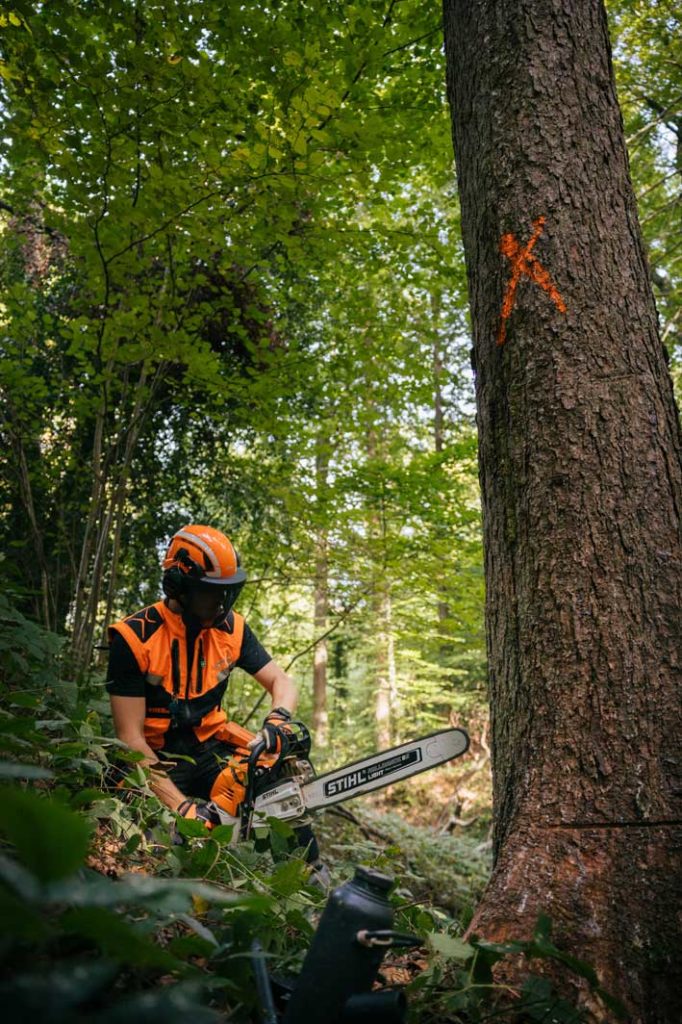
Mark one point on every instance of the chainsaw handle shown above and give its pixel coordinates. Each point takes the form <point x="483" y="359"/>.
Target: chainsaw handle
<point x="247" y="807"/>
<point x="256" y="752"/>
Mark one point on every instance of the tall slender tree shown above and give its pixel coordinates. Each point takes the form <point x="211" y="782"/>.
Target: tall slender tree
<point x="321" y="595"/>
<point x="579" y="460"/>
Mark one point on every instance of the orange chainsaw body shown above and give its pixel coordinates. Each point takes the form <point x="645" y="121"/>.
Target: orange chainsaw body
<point x="229" y="789"/>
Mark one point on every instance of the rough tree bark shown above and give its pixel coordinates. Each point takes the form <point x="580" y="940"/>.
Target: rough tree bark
<point x="579" y="461"/>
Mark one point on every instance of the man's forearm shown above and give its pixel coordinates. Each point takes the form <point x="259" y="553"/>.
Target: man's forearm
<point x="166" y="790"/>
<point x="159" y="783"/>
<point x="284" y="693"/>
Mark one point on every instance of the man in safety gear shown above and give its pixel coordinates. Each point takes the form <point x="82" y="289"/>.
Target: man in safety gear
<point x="169" y="668"/>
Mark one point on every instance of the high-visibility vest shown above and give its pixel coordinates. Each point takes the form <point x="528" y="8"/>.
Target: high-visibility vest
<point x="158" y="638"/>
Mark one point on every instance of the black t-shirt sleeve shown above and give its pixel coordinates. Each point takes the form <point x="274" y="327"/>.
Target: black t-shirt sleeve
<point x="124" y="678"/>
<point x="253" y="656"/>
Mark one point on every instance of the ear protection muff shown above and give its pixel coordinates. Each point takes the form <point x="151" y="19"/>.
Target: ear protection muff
<point x="172" y="583"/>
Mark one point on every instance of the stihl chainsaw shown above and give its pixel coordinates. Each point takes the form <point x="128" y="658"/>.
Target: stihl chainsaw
<point x="291" y="797"/>
<point x="291" y="788"/>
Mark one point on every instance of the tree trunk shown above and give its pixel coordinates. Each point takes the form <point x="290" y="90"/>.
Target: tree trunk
<point x="386" y="699"/>
<point x="340" y="675"/>
<point x="46" y="603"/>
<point x="384" y="656"/>
<point x="382" y="705"/>
<point x="443" y="607"/>
<point x="579" y="461"/>
<point x="321" y="601"/>
<point x="393" y="695"/>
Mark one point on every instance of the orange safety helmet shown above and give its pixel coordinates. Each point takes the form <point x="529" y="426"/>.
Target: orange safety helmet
<point x="200" y="554"/>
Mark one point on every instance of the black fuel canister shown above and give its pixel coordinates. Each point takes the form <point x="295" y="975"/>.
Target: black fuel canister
<point x="338" y="965"/>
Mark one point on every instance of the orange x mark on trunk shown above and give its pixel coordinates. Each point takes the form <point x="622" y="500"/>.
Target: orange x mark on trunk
<point x="523" y="262"/>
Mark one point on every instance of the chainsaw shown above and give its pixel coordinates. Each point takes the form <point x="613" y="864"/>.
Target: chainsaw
<point x="297" y="789"/>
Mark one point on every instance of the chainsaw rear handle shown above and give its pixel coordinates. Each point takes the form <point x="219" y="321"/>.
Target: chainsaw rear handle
<point x="247" y="807"/>
<point x="256" y="752"/>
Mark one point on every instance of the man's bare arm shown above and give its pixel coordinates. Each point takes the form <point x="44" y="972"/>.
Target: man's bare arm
<point x="129" y="714"/>
<point x="279" y="685"/>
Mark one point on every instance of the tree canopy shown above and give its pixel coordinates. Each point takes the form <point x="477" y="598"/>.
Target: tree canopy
<point x="232" y="241"/>
<point x="233" y="291"/>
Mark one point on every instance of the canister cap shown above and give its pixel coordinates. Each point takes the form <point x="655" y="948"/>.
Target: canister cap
<point x="377" y="880"/>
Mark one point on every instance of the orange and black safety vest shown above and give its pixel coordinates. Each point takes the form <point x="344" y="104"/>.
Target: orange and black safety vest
<point x="176" y="693"/>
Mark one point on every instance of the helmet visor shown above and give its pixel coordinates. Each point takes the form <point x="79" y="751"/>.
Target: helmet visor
<point x="220" y="581"/>
<point x="206" y="600"/>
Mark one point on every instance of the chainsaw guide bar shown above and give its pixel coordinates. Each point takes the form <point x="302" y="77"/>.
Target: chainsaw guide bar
<point x="384" y="768"/>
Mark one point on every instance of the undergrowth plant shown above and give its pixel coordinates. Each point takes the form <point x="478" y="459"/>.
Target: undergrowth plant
<point x="113" y="908"/>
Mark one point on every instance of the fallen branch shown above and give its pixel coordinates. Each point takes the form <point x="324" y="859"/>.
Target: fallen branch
<point x="368" y="831"/>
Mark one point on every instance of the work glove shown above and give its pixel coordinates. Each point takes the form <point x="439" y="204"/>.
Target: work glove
<point x="200" y="812"/>
<point x="275" y="731"/>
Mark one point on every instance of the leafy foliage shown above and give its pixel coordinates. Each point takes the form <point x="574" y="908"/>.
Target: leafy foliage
<point x="232" y="258"/>
<point x="103" y="914"/>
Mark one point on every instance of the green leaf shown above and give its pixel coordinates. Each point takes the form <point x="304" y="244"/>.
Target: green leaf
<point x="299" y="144"/>
<point x="202" y="858"/>
<point x="19" y="878"/>
<point x="543" y="927"/>
<point x="11" y="770"/>
<point x="450" y="946"/>
<point x="223" y="834"/>
<point x="133" y="843"/>
<point x="66" y="986"/>
<point x="190" y="945"/>
<point x="50" y="840"/>
<point x="282" y="828"/>
<point x="541" y="1003"/>
<point x="192" y="828"/>
<point x="68" y="749"/>
<point x="104" y="807"/>
<point x="172" y="1004"/>
<point x="26" y="700"/>
<point x="19" y="921"/>
<point x="289" y="877"/>
<point x="86" y="796"/>
<point x="163" y="894"/>
<point x="117" y="938"/>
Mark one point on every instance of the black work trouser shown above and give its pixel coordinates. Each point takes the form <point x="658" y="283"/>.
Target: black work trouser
<point x="195" y="778"/>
